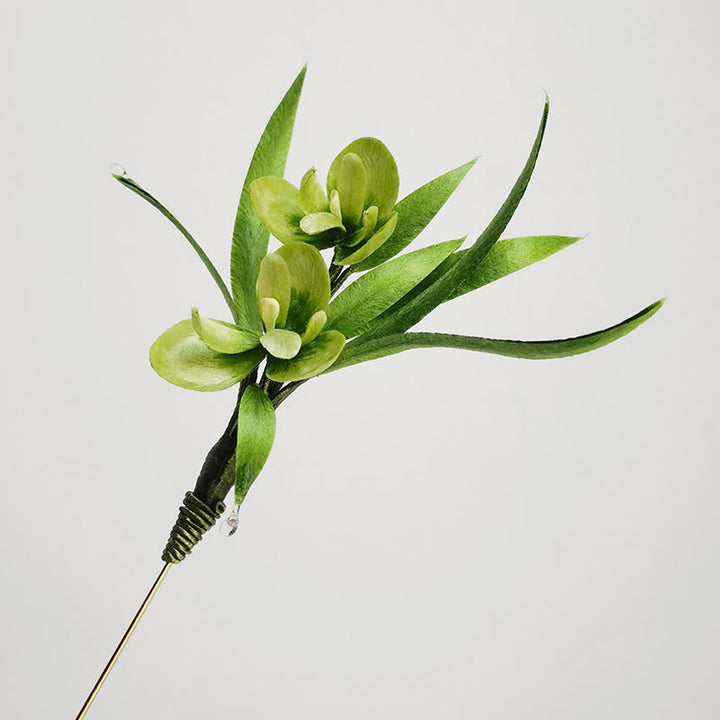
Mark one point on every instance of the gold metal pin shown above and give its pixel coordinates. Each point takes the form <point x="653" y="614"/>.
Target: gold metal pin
<point x="123" y="642"/>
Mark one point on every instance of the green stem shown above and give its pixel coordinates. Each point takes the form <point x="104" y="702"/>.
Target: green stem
<point x="145" y="195"/>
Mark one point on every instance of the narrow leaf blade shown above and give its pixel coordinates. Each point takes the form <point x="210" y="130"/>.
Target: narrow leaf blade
<point x="509" y="256"/>
<point x="415" y="211"/>
<point x="372" y="293"/>
<point x="255" y="435"/>
<point x="250" y="238"/>
<point x="129" y="183"/>
<point x="531" y="350"/>
<point x="416" y="309"/>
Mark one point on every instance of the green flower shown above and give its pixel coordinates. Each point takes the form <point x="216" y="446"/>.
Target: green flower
<point x="293" y="290"/>
<point x="356" y="215"/>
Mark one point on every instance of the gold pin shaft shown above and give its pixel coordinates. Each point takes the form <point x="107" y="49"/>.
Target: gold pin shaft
<point x="123" y="642"/>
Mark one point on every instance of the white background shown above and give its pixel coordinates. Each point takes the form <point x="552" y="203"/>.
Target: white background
<point x="438" y="534"/>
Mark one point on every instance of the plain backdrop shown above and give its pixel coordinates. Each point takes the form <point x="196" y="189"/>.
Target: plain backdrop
<point x="438" y="534"/>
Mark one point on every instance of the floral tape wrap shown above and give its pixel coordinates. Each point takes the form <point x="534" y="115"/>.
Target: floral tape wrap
<point x="194" y="520"/>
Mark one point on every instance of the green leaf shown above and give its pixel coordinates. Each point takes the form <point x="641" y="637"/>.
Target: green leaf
<point x="505" y="257"/>
<point x="383" y="181"/>
<point x="313" y="358"/>
<point x="280" y="343"/>
<point x="509" y="256"/>
<point x="374" y="242"/>
<point x="533" y="349"/>
<point x="145" y="195"/>
<point x="221" y="336"/>
<point x="255" y="435"/>
<point x="415" y="211"/>
<point x="250" y="238"/>
<point x="277" y="204"/>
<point x="372" y="293"/>
<point x="309" y="283"/>
<point x="183" y="359"/>
<point x="443" y="288"/>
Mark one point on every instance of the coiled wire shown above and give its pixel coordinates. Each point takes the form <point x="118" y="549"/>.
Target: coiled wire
<point x="194" y="520"/>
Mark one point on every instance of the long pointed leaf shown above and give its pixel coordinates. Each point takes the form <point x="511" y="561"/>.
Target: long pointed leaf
<point x="250" y="238"/>
<point x="145" y="195"/>
<point x="415" y="211"/>
<point x="358" y="304"/>
<point x="255" y="435"/>
<point x="443" y="288"/>
<point x="505" y="257"/>
<point x="532" y="350"/>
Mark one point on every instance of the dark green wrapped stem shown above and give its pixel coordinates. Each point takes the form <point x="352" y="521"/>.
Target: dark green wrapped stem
<point x="194" y="520"/>
<point x="206" y="503"/>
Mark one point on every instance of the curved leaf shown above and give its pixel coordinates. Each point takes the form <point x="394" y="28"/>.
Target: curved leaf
<point x="529" y="349"/>
<point x="145" y="195"/>
<point x="415" y="211"/>
<point x="255" y="435"/>
<point x="250" y="238"/>
<point x="182" y="358"/>
<point x="505" y="257"/>
<point x="416" y="309"/>
<point x="372" y="293"/>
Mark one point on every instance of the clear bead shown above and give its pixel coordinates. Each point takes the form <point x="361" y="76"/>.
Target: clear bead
<point x="118" y="170"/>
<point x="229" y="526"/>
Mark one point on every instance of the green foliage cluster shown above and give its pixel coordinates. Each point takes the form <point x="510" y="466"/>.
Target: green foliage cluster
<point x="284" y="305"/>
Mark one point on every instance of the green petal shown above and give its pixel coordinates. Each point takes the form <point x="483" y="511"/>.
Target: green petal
<point x="335" y="208"/>
<point x="370" y="217"/>
<point x="415" y="212"/>
<point x="221" y="336"/>
<point x="182" y="358"/>
<point x="351" y="186"/>
<point x="316" y="324"/>
<point x="313" y="358"/>
<point x="250" y="238"/>
<point x="274" y="282"/>
<point x="531" y="350"/>
<point x="269" y="311"/>
<point x="281" y="343"/>
<point x="312" y="197"/>
<point x="383" y="181"/>
<point x="309" y="282"/>
<point x="255" y="435"/>
<point x="318" y="222"/>
<point x="372" y="244"/>
<point x="277" y="204"/>
<point x="371" y="294"/>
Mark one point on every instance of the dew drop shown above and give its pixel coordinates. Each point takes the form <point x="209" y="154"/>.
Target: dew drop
<point x="118" y="170"/>
<point x="229" y="526"/>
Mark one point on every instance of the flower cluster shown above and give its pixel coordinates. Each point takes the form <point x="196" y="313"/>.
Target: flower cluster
<point x="293" y="292"/>
<point x="356" y="216"/>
